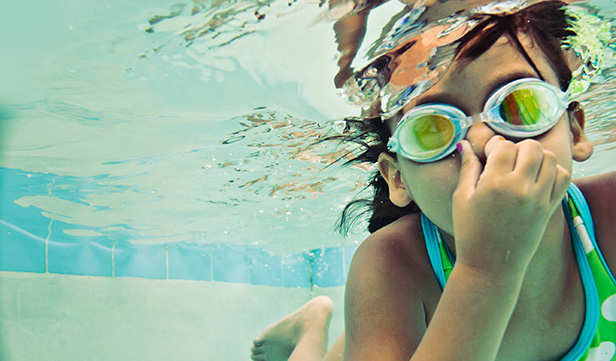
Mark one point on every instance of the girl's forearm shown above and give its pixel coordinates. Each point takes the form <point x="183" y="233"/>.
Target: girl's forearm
<point x="471" y="317"/>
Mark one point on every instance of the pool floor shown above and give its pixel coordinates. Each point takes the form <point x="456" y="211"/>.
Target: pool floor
<point x="64" y="317"/>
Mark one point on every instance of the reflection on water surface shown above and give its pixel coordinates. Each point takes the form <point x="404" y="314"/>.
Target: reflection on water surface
<point x="197" y="121"/>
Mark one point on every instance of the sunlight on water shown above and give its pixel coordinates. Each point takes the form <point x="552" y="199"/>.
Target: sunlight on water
<point x="195" y="121"/>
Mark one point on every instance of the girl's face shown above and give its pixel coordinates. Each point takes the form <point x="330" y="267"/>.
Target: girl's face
<point x="467" y="85"/>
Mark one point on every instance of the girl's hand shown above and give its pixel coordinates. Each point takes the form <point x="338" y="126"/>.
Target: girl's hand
<point x="501" y="210"/>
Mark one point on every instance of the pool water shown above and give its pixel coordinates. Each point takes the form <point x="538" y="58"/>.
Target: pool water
<point x="109" y="109"/>
<point x="161" y="192"/>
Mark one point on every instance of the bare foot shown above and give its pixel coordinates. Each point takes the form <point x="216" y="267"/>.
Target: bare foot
<point x="308" y="325"/>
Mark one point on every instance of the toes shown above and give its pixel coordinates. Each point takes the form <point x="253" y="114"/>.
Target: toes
<point x="257" y="357"/>
<point x="257" y="351"/>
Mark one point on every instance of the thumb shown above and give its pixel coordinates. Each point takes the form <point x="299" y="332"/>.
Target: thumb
<point x="470" y="170"/>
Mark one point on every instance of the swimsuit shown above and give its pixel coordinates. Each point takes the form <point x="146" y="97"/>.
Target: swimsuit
<point x="597" y="340"/>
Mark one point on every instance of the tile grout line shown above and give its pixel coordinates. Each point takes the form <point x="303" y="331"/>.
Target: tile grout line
<point x="49" y="193"/>
<point x="311" y="272"/>
<point x="47" y="246"/>
<point x="249" y="267"/>
<point x="281" y="272"/>
<point x="211" y="264"/>
<point x="310" y="257"/>
<point x="113" y="259"/>
<point x="30" y="235"/>
<point x="167" y="261"/>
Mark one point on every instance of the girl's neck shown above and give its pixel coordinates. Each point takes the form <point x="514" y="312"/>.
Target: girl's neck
<point x="554" y="268"/>
<point x="552" y="297"/>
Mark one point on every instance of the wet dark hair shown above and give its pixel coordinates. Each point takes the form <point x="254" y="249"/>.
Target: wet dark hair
<point x="546" y="23"/>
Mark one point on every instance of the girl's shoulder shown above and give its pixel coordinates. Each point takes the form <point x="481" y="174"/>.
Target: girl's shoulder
<point x="390" y="291"/>
<point x="600" y="193"/>
<point x="398" y="245"/>
<point x="393" y="259"/>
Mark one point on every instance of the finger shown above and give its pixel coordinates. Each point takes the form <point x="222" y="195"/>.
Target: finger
<point x="553" y="178"/>
<point x="561" y="184"/>
<point x="547" y="172"/>
<point x="489" y="147"/>
<point x="530" y="159"/>
<point x="470" y="169"/>
<point x="500" y="155"/>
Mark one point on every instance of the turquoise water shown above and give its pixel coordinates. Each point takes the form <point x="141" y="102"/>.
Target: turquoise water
<point x="126" y="124"/>
<point x="133" y="132"/>
<point x="135" y="219"/>
<point x="159" y="123"/>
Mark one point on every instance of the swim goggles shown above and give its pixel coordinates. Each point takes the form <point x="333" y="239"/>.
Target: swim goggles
<point x="521" y="109"/>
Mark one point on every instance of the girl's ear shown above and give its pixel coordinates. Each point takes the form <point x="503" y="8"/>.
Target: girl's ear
<point x="389" y="168"/>
<point x="582" y="149"/>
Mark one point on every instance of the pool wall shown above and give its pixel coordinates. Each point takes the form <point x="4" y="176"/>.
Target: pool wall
<point x="69" y="297"/>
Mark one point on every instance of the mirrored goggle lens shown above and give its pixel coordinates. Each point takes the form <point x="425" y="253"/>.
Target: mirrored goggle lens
<point x="528" y="107"/>
<point x="426" y="136"/>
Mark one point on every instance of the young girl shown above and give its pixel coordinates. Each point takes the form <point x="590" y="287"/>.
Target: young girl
<point x="477" y="174"/>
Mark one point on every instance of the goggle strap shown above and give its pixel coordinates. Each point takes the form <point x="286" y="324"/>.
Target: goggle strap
<point x="392" y="145"/>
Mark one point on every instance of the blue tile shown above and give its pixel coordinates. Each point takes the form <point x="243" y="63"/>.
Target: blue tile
<point x="20" y="251"/>
<point x="190" y="261"/>
<point x="327" y="269"/>
<point x="139" y="260"/>
<point x="265" y="267"/>
<point x="91" y="257"/>
<point x="230" y="263"/>
<point x="296" y="270"/>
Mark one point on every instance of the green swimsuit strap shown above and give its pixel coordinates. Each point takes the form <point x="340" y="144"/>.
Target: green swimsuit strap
<point x="440" y="256"/>
<point x="584" y="243"/>
<point x="442" y="259"/>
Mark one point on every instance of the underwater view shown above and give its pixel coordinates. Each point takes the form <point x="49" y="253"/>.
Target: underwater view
<point x="197" y="141"/>
<point x="194" y="123"/>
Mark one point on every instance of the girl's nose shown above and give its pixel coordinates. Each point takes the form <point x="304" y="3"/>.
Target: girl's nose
<point x="478" y="135"/>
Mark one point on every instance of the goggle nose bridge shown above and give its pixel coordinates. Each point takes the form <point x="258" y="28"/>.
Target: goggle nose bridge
<point x="483" y="117"/>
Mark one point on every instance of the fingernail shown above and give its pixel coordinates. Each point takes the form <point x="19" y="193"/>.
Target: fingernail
<point x="493" y="140"/>
<point x="487" y="149"/>
<point x="459" y="147"/>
